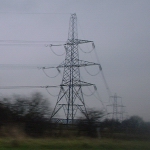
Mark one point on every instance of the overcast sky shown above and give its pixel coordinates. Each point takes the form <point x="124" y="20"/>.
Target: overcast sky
<point x="119" y="29"/>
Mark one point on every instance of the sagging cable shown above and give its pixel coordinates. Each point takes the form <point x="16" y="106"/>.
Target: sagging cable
<point x="49" y="76"/>
<point x="90" y="73"/>
<point x="50" y="93"/>
<point x="92" y="93"/>
<point x="53" y="50"/>
<point x="88" y="51"/>
<point x="99" y="98"/>
<point x="106" y="85"/>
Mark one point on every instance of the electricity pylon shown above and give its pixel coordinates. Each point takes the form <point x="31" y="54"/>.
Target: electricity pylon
<point x="116" y="112"/>
<point x="71" y="85"/>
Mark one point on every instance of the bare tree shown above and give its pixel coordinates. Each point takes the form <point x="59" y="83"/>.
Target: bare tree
<point x="92" y="123"/>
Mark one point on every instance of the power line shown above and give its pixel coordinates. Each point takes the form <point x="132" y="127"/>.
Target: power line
<point x="31" y="41"/>
<point x="51" y="76"/>
<point x="98" y="61"/>
<point x="105" y="82"/>
<point x="34" y="13"/>
<point x="55" y="52"/>
<point x="25" y="45"/>
<point x="16" y="66"/>
<point x="25" y="87"/>
<point x="90" y="73"/>
<point x="51" y="93"/>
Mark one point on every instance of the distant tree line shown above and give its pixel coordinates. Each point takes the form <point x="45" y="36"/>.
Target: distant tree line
<point x="96" y="123"/>
<point x="134" y="124"/>
<point x="31" y="116"/>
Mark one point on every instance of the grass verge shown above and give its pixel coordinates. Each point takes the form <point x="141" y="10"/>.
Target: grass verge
<point x="73" y="144"/>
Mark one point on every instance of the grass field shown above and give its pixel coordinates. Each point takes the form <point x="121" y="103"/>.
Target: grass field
<point x="73" y="144"/>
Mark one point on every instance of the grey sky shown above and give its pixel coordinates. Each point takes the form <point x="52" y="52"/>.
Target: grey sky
<point x="119" y="29"/>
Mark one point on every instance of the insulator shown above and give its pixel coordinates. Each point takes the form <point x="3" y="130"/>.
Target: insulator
<point x="100" y="67"/>
<point x="95" y="88"/>
<point x="62" y="87"/>
<point x="65" y="47"/>
<point x="58" y="70"/>
<point x="93" y="45"/>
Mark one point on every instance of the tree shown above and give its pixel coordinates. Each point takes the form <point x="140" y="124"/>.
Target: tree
<point x="91" y="124"/>
<point x="5" y="113"/>
<point x="133" y="124"/>
<point x="38" y="107"/>
<point x="37" y="116"/>
<point x="35" y="106"/>
<point x="33" y="112"/>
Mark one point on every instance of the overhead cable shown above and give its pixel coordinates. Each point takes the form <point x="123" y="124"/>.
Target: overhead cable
<point x="105" y="82"/>
<point x="50" y="76"/>
<point x="20" y="87"/>
<point x="29" y="41"/>
<point x="55" y="52"/>
<point x="90" y="73"/>
<point x="107" y="87"/>
<point x="85" y="51"/>
<point x="92" y="93"/>
<point x="50" y="93"/>
<point x="21" y="44"/>
<point x="18" y="66"/>
<point x="34" y="13"/>
<point x="99" y="98"/>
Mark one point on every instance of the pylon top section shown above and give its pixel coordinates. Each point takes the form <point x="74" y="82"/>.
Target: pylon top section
<point x="73" y="34"/>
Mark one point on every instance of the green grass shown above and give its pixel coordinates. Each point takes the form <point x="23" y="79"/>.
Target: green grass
<point x="73" y="144"/>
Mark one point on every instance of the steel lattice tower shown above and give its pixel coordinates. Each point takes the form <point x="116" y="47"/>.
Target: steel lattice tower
<point x="116" y="113"/>
<point x="71" y="85"/>
<point x="115" y="107"/>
